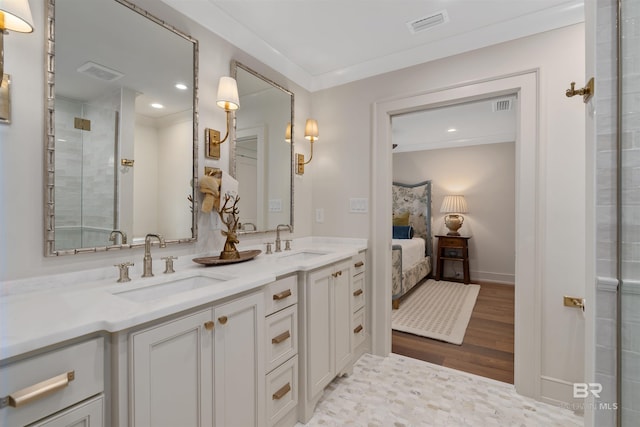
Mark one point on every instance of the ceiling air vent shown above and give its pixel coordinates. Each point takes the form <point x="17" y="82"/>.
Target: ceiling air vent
<point x="426" y="22"/>
<point x="502" y="105"/>
<point x="100" y="72"/>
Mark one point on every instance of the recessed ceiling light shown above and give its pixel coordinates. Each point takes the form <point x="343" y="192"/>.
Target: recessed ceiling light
<point x="452" y="130"/>
<point x="181" y="86"/>
<point x="156" y="105"/>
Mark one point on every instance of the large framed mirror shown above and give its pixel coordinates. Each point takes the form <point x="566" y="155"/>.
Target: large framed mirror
<point x="263" y="160"/>
<point x="121" y="144"/>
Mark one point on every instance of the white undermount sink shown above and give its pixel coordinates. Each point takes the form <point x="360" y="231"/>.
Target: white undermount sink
<point x="302" y="255"/>
<point x="161" y="290"/>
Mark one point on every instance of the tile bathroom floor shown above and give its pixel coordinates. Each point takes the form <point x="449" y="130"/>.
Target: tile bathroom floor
<point x="399" y="391"/>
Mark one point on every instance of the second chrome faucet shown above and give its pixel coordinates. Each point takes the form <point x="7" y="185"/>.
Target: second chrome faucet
<point x="147" y="269"/>
<point x="278" y="241"/>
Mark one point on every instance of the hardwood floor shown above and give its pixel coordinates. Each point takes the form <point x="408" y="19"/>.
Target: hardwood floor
<point x="487" y="349"/>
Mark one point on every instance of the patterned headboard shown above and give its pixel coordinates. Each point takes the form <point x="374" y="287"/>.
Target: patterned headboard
<point x="415" y="198"/>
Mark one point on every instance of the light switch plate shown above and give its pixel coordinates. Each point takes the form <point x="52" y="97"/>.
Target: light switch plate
<point x="358" y="205"/>
<point x="319" y="215"/>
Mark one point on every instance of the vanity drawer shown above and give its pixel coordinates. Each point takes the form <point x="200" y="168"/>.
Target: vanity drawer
<point x="357" y="292"/>
<point x="358" y="328"/>
<point x="70" y="374"/>
<point x="281" y="336"/>
<point x="359" y="263"/>
<point x="280" y="294"/>
<point x="282" y="391"/>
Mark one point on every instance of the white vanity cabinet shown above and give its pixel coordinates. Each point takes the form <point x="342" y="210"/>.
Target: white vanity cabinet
<point x="326" y="325"/>
<point x="60" y="387"/>
<point x="201" y="369"/>
<point x="281" y="354"/>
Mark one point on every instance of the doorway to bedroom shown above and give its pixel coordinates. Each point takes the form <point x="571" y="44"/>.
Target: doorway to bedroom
<point x="464" y="320"/>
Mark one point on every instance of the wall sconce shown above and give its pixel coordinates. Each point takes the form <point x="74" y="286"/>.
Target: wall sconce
<point x="287" y="133"/>
<point x="15" y="15"/>
<point x="229" y="101"/>
<point x="453" y="206"/>
<point x="310" y="133"/>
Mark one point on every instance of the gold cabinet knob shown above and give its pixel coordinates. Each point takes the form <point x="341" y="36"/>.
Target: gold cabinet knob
<point x="209" y="325"/>
<point x="222" y="320"/>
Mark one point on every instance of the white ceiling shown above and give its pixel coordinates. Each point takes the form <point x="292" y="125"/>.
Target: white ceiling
<point x="324" y="43"/>
<point x="461" y="125"/>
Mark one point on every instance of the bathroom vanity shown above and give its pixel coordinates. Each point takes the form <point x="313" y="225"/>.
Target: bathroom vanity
<point x="250" y="344"/>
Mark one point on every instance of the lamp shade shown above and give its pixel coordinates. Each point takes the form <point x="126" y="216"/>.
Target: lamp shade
<point x="15" y="15"/>
<point x="311" y="130"/>
<point x="228" y="94"/>
<point x="454" y="204"/>
<point x="287" y="133"/>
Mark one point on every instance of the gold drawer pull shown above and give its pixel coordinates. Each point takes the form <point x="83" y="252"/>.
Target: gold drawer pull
<point x="209" y="325"/>
<point x="283" y="336"/>
<point x="222" y="320"/>
<point x="282" y="295"/>
<point x="358" y="264"/>
<point x="280" y="393"/>
<point x="36" y="391"/>
<point x="357" y="329"/>
<point x="358" y="292"/>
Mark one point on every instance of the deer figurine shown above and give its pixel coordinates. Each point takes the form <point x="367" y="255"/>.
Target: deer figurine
<point x="229" y="216"/>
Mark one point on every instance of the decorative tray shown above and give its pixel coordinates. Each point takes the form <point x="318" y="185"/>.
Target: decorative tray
<point x="215" y="260"/>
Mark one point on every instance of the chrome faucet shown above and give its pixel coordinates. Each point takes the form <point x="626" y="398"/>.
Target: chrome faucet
<point x="147" y="266"/>
<point x="278" y="241"/>
<point x="123" y="237"/>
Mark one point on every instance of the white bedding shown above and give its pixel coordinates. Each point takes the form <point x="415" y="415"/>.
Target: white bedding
<point x="412" y="251"/>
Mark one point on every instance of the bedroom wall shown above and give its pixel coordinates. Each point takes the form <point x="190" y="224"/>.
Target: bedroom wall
<point x="485" y="175"/>
<point x="22" y="157"/>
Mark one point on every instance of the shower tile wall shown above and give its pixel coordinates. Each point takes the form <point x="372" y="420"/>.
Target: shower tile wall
<point x="630" y="213"/>
<point x="606" y="210"/>
<point x="84" y="176"/>
<point x="605" y="355"/>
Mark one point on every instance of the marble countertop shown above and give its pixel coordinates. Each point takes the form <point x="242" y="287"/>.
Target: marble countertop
<point x="54" y="309"/>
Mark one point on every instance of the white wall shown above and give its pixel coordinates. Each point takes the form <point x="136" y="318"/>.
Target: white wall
<point x="342" y="170"/>
<point x="22" y="154"/>
<point x="485" y="175"/>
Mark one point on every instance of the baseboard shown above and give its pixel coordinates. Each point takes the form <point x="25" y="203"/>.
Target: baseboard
<point x="486" y="276"/>
<point x="557" y="392"/>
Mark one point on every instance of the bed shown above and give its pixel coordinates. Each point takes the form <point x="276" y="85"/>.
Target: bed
<point x="411" y="256"/>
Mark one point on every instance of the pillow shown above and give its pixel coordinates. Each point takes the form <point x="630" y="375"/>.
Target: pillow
<point x="402" y="232"/>
<point x="401" y="218"/>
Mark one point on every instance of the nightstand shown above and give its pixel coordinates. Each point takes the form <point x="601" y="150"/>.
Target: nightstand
<point x="453" y="248"/>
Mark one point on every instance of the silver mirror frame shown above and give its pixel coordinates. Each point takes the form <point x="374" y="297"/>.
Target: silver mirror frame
<point x="232" y="149"/>
<point x="49" y="143"/>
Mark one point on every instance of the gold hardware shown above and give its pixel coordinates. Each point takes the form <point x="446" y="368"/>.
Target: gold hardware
<point x="282" y="392"/>
<point x="586" y="92"/>
<point x="358" y="264"/>
<point x="282" y="295"/>
<point x="211" y="171"/>
<point x="283" y="336"/>
<point x="5" y="99"/>
<point x="357" y="329"/>
<point x="37" y="391"/>
<point x="334" y="275"/>
<point x="209" y="325"/>
<point x="300" y="163"/>
<point x="223" y="320"/>
<point x="358" y="292"/>
<point x="574" y="302"/>
<point x="212" y="142"/>
<point x="127" y="162"/>
<point x="82" y="124"/>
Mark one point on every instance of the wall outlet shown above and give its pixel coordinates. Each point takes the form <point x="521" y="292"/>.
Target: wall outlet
<point x="320" y="215"/>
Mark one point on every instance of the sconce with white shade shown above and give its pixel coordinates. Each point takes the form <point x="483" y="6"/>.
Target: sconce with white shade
<point x="229" y="101"/>
<point x="453" y="206"/>
<point x="287" y="133"/>
<point x="15" y="15"/>
<point x="310" y="133"/>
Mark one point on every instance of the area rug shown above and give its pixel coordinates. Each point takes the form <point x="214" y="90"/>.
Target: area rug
<point x="437" y="309"/>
